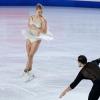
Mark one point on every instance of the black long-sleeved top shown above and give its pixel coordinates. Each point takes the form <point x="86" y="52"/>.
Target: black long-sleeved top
<point x="90" y="71"/>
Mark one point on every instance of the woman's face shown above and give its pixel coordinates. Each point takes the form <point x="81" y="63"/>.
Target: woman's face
<point x="39" y="12"/>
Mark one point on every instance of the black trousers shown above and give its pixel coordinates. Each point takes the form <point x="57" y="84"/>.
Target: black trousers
<point x="95" y="91"/>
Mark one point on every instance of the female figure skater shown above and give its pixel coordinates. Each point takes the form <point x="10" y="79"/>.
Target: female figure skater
<point x="37" y="25"/>
<point x="90" y="71"/>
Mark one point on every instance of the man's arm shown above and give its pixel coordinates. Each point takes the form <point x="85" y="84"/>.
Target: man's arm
<point x="72" y="85"/>
<point x="65" y="91"/>
<point x="76" y="81"/>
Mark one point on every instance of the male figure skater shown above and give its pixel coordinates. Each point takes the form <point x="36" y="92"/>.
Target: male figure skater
<point x="90" y="71"/>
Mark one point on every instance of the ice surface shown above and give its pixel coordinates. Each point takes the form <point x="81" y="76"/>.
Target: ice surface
<point x="76" y="31"/>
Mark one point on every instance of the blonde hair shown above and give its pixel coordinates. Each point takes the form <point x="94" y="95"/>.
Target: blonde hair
<point x="39" y="6"/>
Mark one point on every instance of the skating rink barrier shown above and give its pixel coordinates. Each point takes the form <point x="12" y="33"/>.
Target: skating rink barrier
<point x="66" y="3"/>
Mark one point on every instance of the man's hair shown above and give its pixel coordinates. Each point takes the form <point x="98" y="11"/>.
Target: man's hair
<point x="82" y="59"/>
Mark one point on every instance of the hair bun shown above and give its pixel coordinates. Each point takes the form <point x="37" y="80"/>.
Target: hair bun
<point x="39" y="6"/>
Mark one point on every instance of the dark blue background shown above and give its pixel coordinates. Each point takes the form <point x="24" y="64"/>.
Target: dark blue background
<point x="67" y="3"/>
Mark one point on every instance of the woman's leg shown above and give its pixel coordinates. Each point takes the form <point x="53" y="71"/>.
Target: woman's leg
<point x="34" y="48"/>
<point x="94" y="93"/>
<point x="28" y="48"/>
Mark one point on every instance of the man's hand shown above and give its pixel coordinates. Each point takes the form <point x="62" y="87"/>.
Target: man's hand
<point x="62" y="94"/>
<point x="65" y="91"/>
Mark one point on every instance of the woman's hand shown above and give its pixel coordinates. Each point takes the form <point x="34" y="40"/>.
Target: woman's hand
<point x="32" y="27"/>
<point x="38" y="32"/>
